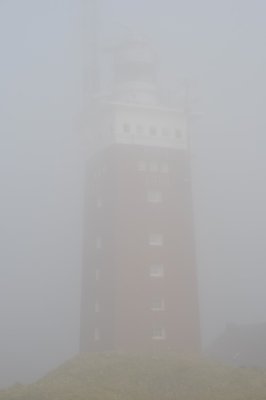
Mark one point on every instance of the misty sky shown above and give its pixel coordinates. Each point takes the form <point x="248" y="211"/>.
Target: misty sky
<point x="219" y="46"/>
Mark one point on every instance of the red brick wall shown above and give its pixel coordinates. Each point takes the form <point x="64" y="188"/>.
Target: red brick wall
<point x="125" y="220"/>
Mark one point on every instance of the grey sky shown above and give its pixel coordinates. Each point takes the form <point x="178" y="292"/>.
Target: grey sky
<point x="220" y="46"/>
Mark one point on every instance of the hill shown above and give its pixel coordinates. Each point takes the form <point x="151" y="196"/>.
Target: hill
<point x="133" y="377"/>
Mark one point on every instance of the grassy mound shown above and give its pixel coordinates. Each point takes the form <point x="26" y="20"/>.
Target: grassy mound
<point x="131" y="377"/>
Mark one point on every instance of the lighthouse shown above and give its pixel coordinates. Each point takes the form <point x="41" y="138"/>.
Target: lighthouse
<point x="139" y="283"/>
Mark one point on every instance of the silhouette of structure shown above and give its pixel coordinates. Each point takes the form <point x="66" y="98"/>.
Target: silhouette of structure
<point x="139" y="279"/>
<point x="241" y="345"/>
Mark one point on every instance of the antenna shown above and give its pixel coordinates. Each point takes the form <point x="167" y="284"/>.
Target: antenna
<point x="95" y="62"/>
<point x="91" y="27"/>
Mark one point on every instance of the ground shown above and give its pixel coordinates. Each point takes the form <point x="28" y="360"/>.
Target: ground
<point x="111" y="376"/>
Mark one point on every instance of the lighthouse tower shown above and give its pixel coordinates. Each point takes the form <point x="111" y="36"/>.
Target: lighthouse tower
<point x="139" y="276"/>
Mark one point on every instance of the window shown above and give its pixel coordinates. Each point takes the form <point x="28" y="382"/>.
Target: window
<point x="156" y="239"/>
<point x="164" y="167"/>
<point x="96" y="334"/>
<point x="155" y="197"/>
<point x="141" y="166"/>
<point x="99" y="242"/>
<point x="126" y="128"/>
<point x="157" y="271"/>
<point x="97" y="275"/>
<point x="153" y="167"/>
<point x="157" y="305"/>
<point x="97" y="307"/>
<point x="158" y="333"/>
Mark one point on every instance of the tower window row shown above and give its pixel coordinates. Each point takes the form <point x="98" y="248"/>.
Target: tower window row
<point x="155" y="271"/>
<point x="155" y="197"/>
<point x="152" y="130"/>
<point x="155" y="239"/>
<point x="153" y="167"/>
<point x="157" y="304"/>
<point x="152" y="197"/>
<point x="159" y="334"/>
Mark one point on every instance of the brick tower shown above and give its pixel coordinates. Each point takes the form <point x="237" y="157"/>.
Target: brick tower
<point x="139" y="281"/>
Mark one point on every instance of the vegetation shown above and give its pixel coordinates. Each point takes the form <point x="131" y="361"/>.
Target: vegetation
<point x="111" y="376"/>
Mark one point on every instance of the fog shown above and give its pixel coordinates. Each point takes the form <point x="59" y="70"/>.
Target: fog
<point x="219" y="48"/>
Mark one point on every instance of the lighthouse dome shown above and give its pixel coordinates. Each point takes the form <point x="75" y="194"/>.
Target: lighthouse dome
<point x="135" y="71"/>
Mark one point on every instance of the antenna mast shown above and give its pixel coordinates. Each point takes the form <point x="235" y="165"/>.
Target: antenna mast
<point x="91" y="27"/>
<point x="91" y="68"/>
<point x="95" y="37"/>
